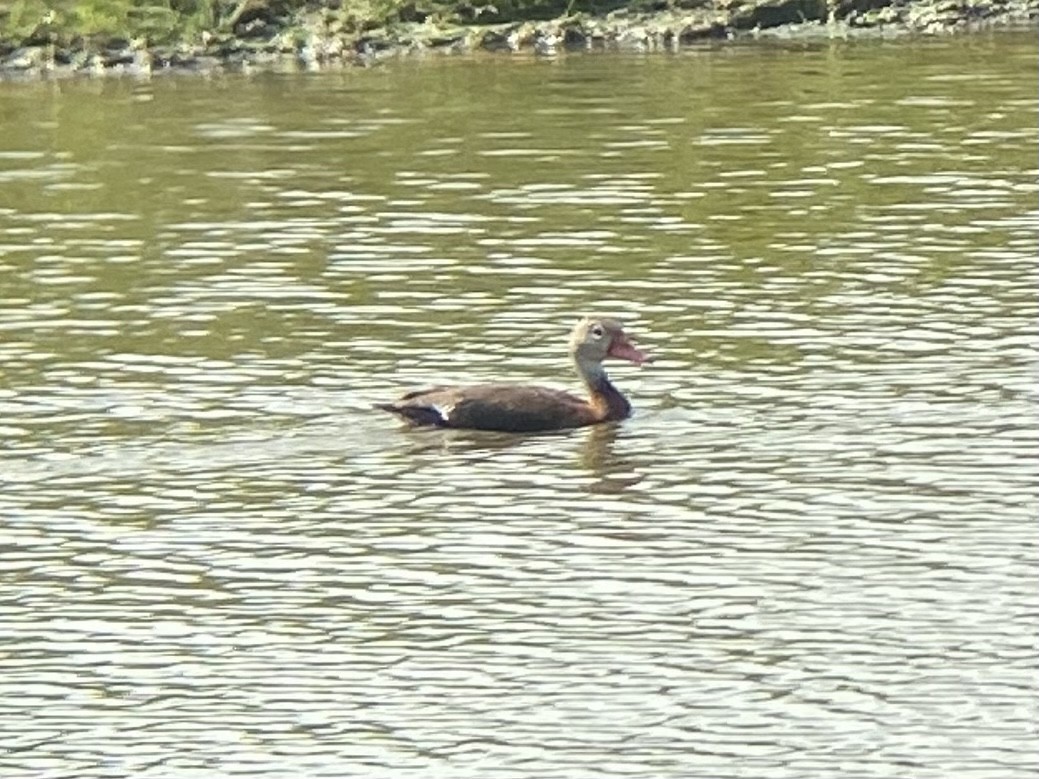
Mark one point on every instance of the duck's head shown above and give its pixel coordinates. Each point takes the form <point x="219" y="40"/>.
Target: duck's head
<point x="596" y="338"/>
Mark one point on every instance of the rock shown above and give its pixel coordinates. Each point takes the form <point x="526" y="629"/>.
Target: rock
<point x="501" y="39"/>
<point x="28" y="59"/>
<point x="634" y="39"/>
<point x="772" y="13"/>
<point x="546" y="42"/>
<point x="458" y="40"/>
<point x="123" y="55"/>
<point x="845" y="8"/>
<point x="700" y="30"/>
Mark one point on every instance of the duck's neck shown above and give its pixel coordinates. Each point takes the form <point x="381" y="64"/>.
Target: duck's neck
<point x="605" y="399"/>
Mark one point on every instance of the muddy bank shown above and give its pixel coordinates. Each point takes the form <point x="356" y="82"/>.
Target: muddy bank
<point x="264" y="35"/>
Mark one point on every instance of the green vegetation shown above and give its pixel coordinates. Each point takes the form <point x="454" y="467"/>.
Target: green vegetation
<point x="34" y="22"/>
<point x="66" y="21"/>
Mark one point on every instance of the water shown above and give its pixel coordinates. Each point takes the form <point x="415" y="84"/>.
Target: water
<point x="811" y="552"/>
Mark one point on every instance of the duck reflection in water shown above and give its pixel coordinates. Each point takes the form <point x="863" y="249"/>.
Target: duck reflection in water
<point x="596" y="453"/>
<point x="613" y="473"/>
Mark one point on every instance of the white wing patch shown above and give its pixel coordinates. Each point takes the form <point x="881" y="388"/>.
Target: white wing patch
<point x="444" y="410"/>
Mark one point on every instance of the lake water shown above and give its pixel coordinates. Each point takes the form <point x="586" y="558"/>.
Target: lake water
<point x="812" y="552"/>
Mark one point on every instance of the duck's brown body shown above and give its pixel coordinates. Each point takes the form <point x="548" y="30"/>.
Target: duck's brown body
<point x="509" y="408"/>
<point x="525" y="409"/>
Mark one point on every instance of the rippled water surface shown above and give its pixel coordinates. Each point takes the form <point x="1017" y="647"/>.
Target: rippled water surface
<point x="811" y="553"/>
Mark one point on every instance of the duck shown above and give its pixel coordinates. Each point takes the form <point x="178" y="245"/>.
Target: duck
<point x="516" y="408"/>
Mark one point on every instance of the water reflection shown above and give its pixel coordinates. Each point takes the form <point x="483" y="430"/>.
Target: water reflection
<point x="613" y="471"/>
<point x="809" y="547"/>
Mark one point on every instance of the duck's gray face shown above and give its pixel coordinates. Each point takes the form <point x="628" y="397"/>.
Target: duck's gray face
<point x="594" y="339"/>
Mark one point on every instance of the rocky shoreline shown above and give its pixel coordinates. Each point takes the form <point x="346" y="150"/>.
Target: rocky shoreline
<point x="260" y="39"/>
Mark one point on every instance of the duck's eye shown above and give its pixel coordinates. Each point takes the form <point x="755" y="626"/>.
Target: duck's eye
<point x="597" y="331"/>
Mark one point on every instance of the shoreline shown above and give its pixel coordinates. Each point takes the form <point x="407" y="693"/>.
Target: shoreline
<point x="317" y="40"/>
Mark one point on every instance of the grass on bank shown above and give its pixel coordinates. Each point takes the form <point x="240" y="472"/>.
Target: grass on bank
<point x="29" y="22"/>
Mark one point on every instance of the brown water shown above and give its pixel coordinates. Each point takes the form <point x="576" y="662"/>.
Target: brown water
<point x="811" y="553"/>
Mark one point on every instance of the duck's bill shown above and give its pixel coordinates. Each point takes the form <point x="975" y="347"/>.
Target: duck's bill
<point x="622" y="349"/>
